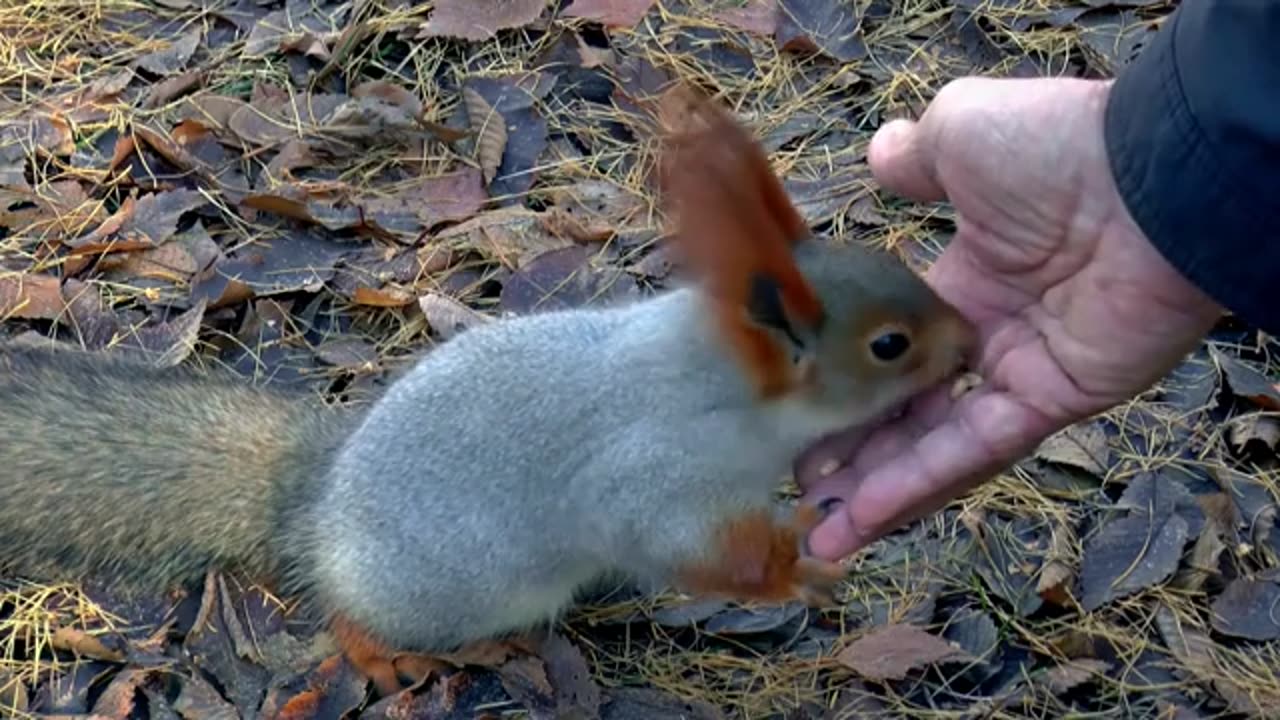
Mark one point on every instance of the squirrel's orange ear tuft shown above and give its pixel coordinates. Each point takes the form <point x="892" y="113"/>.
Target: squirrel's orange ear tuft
<point x="735" y="227"/>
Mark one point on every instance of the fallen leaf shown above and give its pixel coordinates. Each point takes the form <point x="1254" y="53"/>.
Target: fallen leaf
<point x="759" y="17"/>
<point x="1083" y="445"/>
<point x="610" y="13"/>
<point x="118" y="699"/>
<point x="753" y="620"/>
<point x="563" y="278"/>
<point x="308" y="27"/>
<point x="513" y="98"/>
<point x="688" y="613"/>
<point x="575" y="691"/>
<point x="31" y="297"/>
<point x="347" y="353"/>
<point x="975" y="633"/>
<point x="830" y="27"/>
<point x="164" y="91"/>
<point x="297" y="261"/>
<point x="1010" y="561"/>
<point x="82" y="643"/>
<point x="148" y="222"/>
<point x="636" y="703"/>
<point x="212" y="645"/>
<point x="173" y="58"/>
<point x="490" y="130"/>
<point x="890" y="652"/>
<point x="447" y="317"/>
<point x="592" y="210"/>
<point x="1058" y="572"/>
<point x="511" y="236"/>
<point x="478" y="20"/>
<point x="1247" y="382"/>
<point x="1074" y="673"/>
<point x="1130" y="554"/>
<point x="1198" y="657"/>
<point x="402" y="211"/>
<point x="1248" y="609"/>
<point x="1256" y="428"/>
<point x="388" y="296"/>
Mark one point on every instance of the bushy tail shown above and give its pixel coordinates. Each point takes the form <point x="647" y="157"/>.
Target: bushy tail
<point x="151" y="475"/>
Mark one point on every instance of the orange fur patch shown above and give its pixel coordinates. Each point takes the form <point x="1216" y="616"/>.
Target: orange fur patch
<point x="755" y="558"/>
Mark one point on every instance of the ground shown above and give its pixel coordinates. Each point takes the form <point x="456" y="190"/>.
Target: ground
<point x="310" y="192"/>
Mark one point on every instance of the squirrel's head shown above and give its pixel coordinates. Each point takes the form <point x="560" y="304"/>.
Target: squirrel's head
<point x="883" y="335"/>
<point x="849" y="331"/>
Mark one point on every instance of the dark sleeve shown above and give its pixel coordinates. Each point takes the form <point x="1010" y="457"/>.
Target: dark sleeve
<point x="1193" y="133"/>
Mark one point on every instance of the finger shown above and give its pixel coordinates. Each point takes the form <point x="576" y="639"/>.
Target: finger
<point x="902" y="161"/>
<point x="981" y="437"/>
<point x="828" y="459"/>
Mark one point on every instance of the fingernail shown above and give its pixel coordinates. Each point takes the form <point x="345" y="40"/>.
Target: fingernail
<point x="828" y="467"/>
<point x="827" y="505"/>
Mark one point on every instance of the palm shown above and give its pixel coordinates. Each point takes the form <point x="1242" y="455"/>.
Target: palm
<point x="1076" y="310"/>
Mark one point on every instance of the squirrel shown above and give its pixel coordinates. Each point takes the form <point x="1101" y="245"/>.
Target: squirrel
<point x="513" y="465"/>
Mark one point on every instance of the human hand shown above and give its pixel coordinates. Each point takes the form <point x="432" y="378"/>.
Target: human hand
<point x="1076" y="311"/>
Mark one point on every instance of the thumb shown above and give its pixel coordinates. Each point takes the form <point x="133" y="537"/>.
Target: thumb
<point x="902" y="161"/>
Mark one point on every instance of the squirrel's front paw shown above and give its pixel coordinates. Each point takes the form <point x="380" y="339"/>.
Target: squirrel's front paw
<point x="760" y="557"/>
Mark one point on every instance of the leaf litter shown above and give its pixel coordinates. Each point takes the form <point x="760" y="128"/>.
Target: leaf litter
<point x="308" y="191"/>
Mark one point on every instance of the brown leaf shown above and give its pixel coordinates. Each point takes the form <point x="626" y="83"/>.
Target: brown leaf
<point x="511" y="236"/>
<point x="759" y="17"/>
<point x="148" y="222"/>
<point x="447" y="317"/>
<point x="347" y="353"/>
<point x="391" y="94"/>
<point x="478" y="20"/>
<point x="1058" y="572"/>
<point x="490" y="130"/>
<point x="575" y="691"/>
<point x="445" y="198"/>
<point x="610" y="13"/>
<point x="389" y="296"/>
<point x="295" y="154"/>
<point x="1083" y="446"/>
<point x="31" y="297"/>
<point x="830" y="27"/>
<point x="119" y="698"/>
<point x="82" y="643"/>
<point x="301" y="26"/>
<point x="334" y="689"/>
<point x="890" y="652"/>
<point x="592" y="210"/>
<point x="1074" y="673"/>
<point x="513" y="98"/>
<point x="297" y="261"/>
<point x="162" y="92"/>
<point x="173" y="58"/>
<point x="1248" y="609"/>
<point x="405" y="210"/>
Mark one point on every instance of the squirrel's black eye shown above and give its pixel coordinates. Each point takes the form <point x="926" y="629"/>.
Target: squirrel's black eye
<point x="890" y="346"/>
